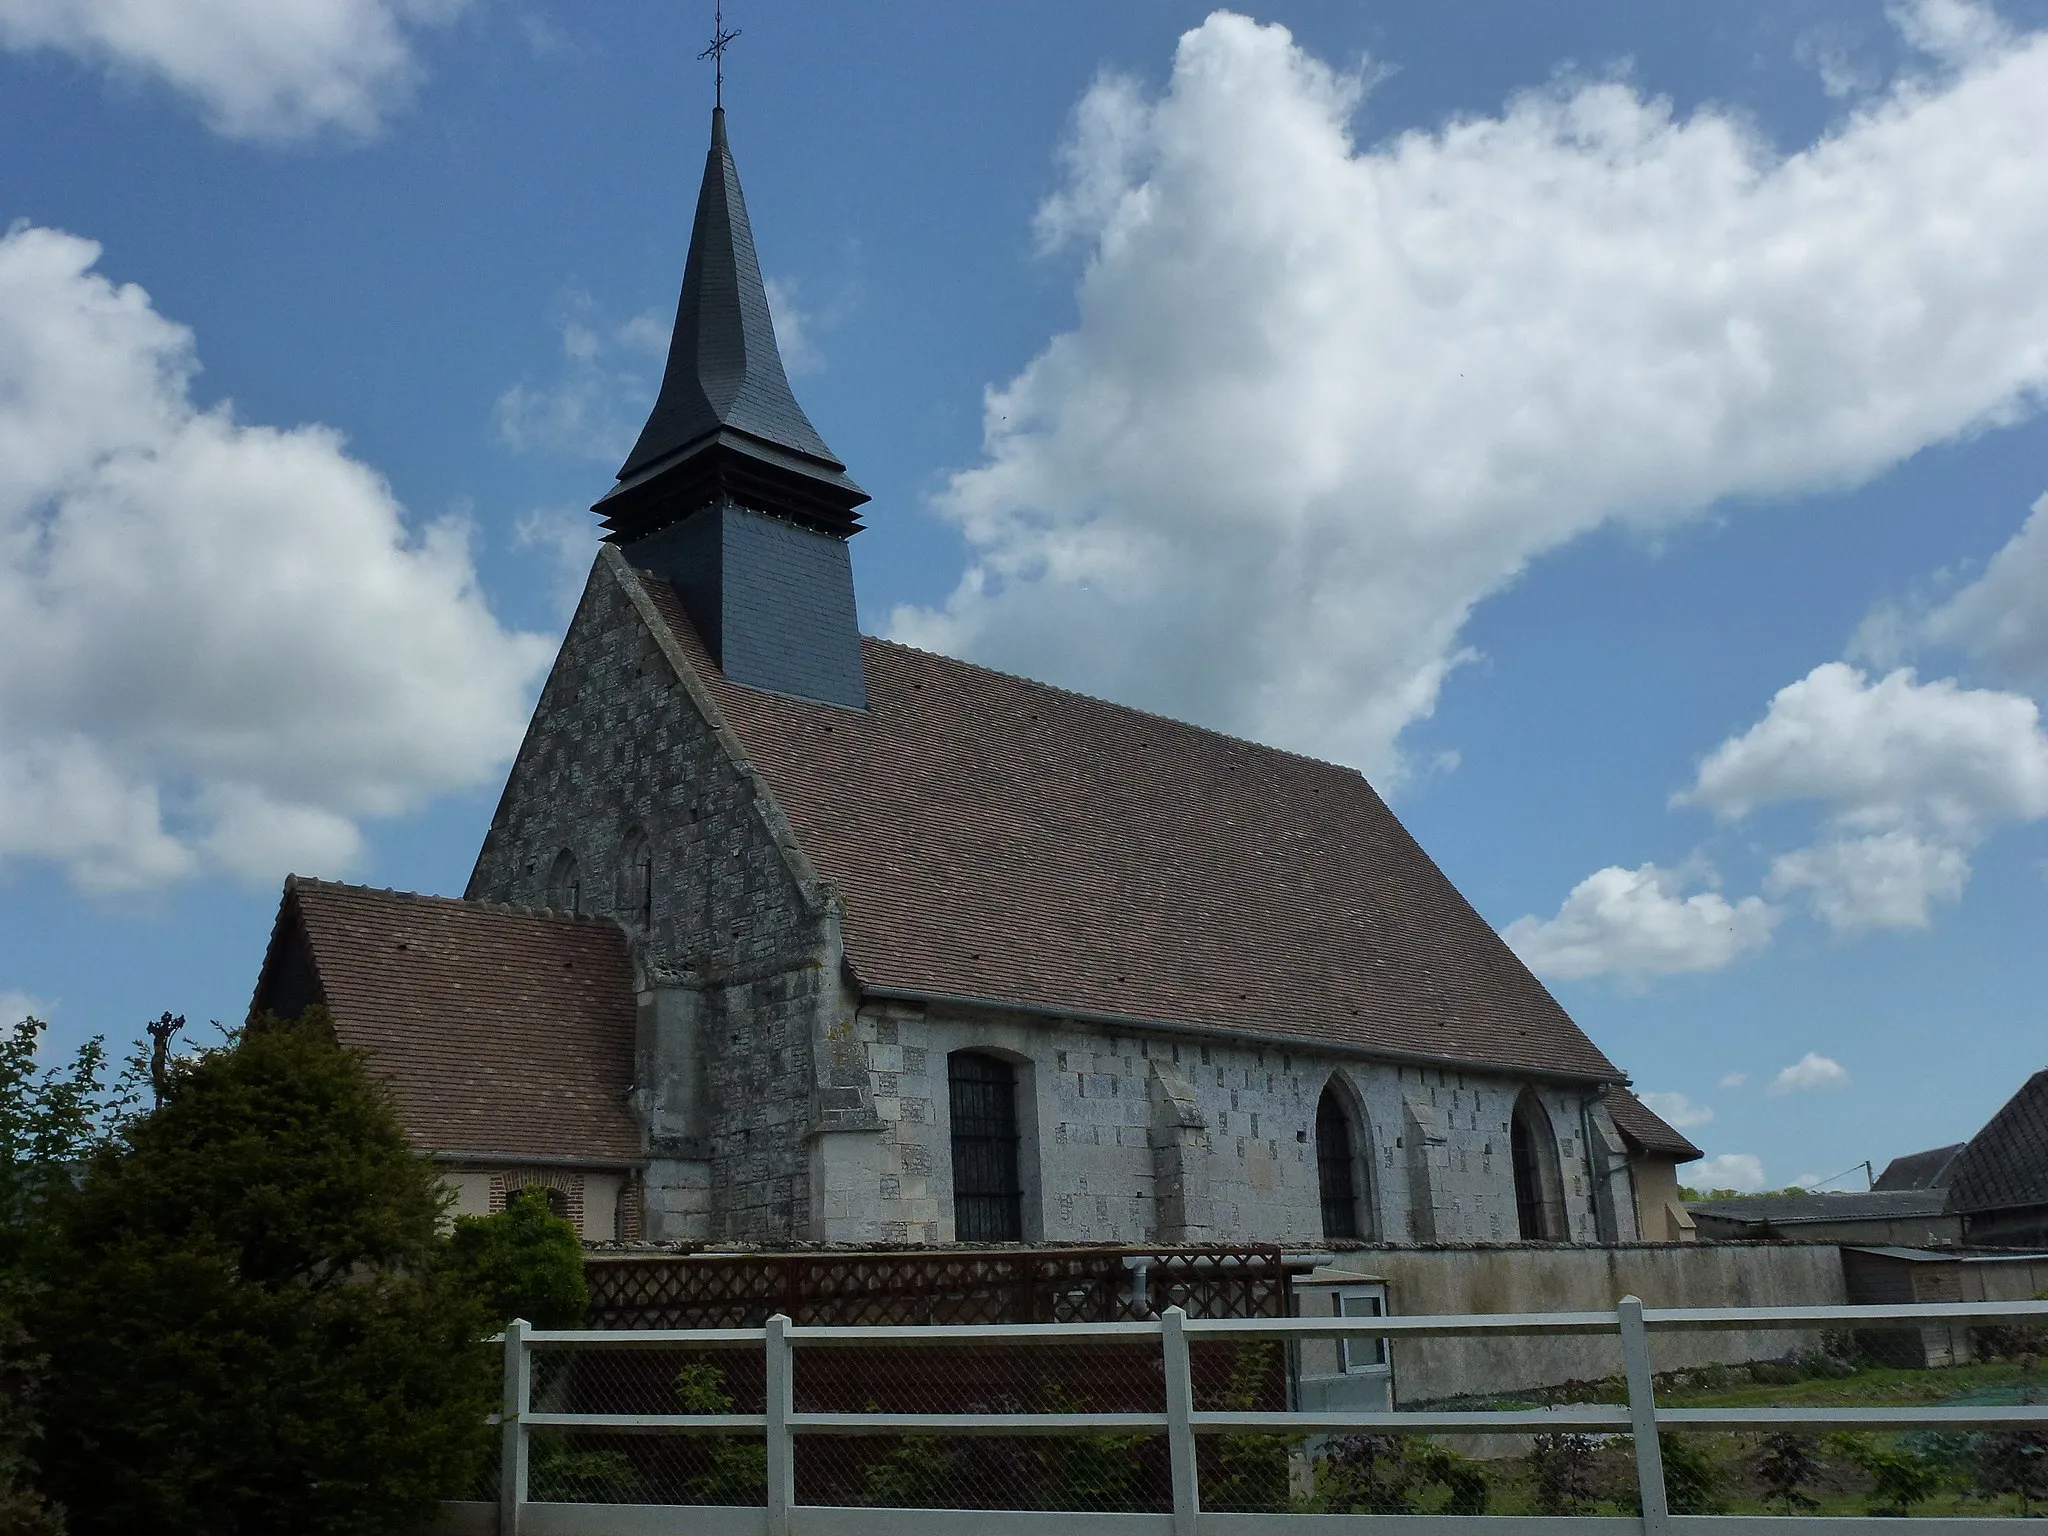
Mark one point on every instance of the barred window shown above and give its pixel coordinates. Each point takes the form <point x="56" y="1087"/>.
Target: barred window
<point x="987" y="1193"/>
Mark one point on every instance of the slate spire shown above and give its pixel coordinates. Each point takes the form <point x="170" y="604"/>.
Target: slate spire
<point x="725" y="427"/>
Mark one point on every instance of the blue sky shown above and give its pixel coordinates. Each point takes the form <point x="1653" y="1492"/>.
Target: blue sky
<point x="1612" y="427"/>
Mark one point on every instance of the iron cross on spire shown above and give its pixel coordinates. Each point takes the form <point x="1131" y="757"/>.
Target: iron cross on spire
<point x="720" y="41"/>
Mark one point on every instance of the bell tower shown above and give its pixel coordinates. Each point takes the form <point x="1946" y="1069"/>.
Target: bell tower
<point x="730" y="493"/>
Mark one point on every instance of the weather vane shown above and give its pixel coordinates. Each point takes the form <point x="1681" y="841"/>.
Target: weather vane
<point x="720" y="41"/>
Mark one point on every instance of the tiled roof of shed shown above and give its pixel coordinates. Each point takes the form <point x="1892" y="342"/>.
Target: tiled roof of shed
<point x="1647" y="1129"/>
<point x="500" y="1030"/>
<point x="994" y="838"/>
<point x="2006" y="1163"/>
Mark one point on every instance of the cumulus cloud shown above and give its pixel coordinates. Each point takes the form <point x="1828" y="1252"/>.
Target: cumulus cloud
<point x="566" y="537"/>
<point x="1321" y="400"/>
<point x="2001" y="618"/>
<point x="595" y="407"/>
<point x="1809" y="1072"/>
<point x="1635" y="923"/>
<point x="1734" y="1079"/>
<point x="16" y="1006"/>
<point x="1911" y="776"/>
<point x="257" y="69"/>
<point x="221" y="647"/>
<point x="1678" y="1111"/>
<point x="1742" y="1171"/>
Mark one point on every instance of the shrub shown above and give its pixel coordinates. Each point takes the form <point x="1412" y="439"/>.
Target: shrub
<point x="1786" y="1467"/>
<point x="912" y="1476"/>
<point x="523" y="1261"/>
<point x="735" y="1471"/>
<point x="250" y="1322"/>
<point x="2014" y="1461"/>
<point x="1561" y="1474"/>
<point x="1899" y="1476"/>
<point x="23" y="1511"/>
<point x="560" y="1473"/>
<point x="1692" y="1479"/>
<point x="1389" y="1475"/>
<point x="1088" y="1471"/>
<point x="1251" y="1470"/>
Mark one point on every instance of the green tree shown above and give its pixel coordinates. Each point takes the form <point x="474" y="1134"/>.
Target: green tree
<point x="523" y="1261"/>
<point x="52" y="1120"/>
<point x="1561" y="1474"/>
<point x="735" y="1471"/>
<point x="1899" y="1476"/>
<point x="251" y="1324"/>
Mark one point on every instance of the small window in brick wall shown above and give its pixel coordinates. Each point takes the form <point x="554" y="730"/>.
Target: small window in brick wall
<point x="988" y="1199"/>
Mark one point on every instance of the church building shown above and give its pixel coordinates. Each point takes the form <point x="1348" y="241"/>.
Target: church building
<point x="785" y="934"/>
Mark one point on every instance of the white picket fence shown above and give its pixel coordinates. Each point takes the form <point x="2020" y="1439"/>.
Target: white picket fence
<point x="1181" y="1423"/>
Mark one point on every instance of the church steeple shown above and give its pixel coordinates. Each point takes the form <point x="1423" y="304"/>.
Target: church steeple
<point x="725" y="423"/>
<point x="730" y="495"/>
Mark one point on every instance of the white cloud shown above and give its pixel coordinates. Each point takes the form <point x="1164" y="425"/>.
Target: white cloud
<point x="1911" y="776"/>
<point x="1634" y="922"/>
<point x="16" y="1006"/>
<point x="1678" y="1111"/>
<point x="2002" y="617"/>
<point x="595" y="408"/>
<point x="258" y="69"/>
<point x="1809" y="1072"/>
<point x="1734" y="1079"/>
<point x="1885" y="752"/>
<point x="1887" y="880"/>
<point x="1321" y="401"/>
<point x="1731" y="1170"/>
<point x="796" y="328"/>
<point x="220" y="645"/>
<point x="567" y="538"/>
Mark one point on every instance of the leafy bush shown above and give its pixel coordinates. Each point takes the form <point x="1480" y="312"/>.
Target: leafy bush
<point x="2014" y="1461"/>
<point x="912" y="1476"/>
<point x="1089" y="1471"/>
<point x="1693" y="1480"/>
<point x="736" y="1471"/>
<point x="1786" y="1467"/>
<point x="1250" y="1470"/>
<point x="1390" y="1475"/>
<point x="1561" y="1474"/>
<point x="523" y="1261"/>
<point x="559" y="1473"/>
<point x="249" y="1319"/>
<point x="1899" y="1476"/>
<point x="23" y="1511"/>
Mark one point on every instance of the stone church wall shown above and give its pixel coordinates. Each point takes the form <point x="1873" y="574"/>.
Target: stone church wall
<point x="622" y="773"/>
<point x="1137" y="1137"/>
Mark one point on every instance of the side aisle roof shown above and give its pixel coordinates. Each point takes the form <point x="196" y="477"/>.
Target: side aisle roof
<point x="501" y="1031"/>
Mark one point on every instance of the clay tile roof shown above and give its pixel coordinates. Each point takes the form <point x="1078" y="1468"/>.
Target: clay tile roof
<point x="1647" y="1129"/>
<point x="994" y="838"/>
<point x="500" y="1030"/>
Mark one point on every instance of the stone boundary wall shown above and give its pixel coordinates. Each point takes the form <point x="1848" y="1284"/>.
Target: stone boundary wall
<point x="1542" y="1279"/>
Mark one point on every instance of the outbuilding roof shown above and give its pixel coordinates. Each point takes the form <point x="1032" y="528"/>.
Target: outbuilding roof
<point x="501" y="1030"/>
<point x="1803" y="1209"/>
<point x="1002" y="841"/>
<point x="1647" y="1129"/>
<point x="1920" y="1170"/>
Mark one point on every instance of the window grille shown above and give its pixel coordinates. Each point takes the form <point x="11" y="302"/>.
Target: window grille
<point x="1336" y="1169"/>
<point x="987" y="1194"/>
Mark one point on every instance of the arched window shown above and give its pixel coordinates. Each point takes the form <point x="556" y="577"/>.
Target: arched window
<point x="1539" y="1185"/>
<point x="565" y="884"/>
<point x="988" y="1196"/>
<point x="633" y="903"/>
<point x="1343" y="1165"/>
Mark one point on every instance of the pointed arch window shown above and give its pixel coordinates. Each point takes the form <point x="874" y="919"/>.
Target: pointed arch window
<point x="988" y="1194"/>
<point x="1343" y="1165"/>
<point x="1539" y="1183"/>
<point x="633" y="904"/>
<point x="565" y="885"/>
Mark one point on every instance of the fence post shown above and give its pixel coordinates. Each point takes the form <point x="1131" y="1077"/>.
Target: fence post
<point x="512" y="1442"/>
<point x="1180" y="1428"/>
<point x="781" y="1447"/>
<point x="1642" y="1417"/>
